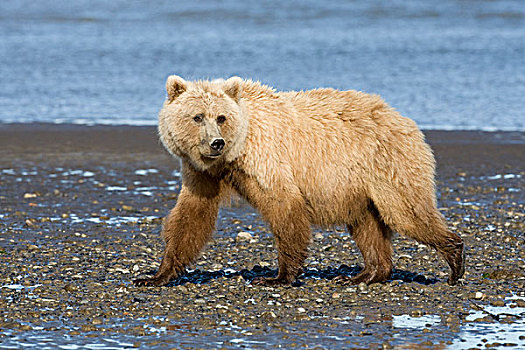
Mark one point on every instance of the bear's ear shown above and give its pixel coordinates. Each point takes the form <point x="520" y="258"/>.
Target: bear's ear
<point x="233" y="88"/>
<point x="175" y="86"/>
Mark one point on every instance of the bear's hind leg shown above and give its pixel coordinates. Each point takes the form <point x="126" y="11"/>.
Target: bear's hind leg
<point x="422" y="221"/>
<point x="434" y="233"/>
<point x="374" y="240"/>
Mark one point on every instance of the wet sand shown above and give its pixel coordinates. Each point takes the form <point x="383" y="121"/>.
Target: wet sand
<point x="80" y="214"/>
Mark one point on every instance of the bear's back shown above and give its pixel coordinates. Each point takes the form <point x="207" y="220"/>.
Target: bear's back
<point x="329" y="103"/>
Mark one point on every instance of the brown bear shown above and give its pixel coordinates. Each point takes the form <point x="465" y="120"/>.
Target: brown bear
<point x="324" y="157"/>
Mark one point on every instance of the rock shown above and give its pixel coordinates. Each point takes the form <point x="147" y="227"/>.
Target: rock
<point x="268" y="315"/>
<point x="478" y="295"/>
<point x="243" y="236"/>
<point x="520" y="302"/>
<point x="362" y="287"/>
<point x="70" y="288"/>
<point x="416" y="313"/>
<point x="497" y="303"/>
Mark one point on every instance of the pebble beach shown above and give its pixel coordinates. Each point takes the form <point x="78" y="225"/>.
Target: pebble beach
<point x="81" y="209"/>
<point x="82" y="197"/>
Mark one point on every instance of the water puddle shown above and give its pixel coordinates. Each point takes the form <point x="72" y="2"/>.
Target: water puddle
<point x="497" y="326"/>
<point x="501" y="176"/>
<point x="406" y="321"/>
<point x="78" y="172"/>
<point x="116" y="188"/>
<point x="116" y="220"/>
<point x="68" y="343"/>
<point x="145" y="172"/>
<point x="146" y="190"/>
<point x="19" y="287"/>
<point x="497" y="334"/>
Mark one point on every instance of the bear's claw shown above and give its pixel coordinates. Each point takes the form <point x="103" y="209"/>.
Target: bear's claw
<point x="149" y="282"/>
<point x="366" y="276"/>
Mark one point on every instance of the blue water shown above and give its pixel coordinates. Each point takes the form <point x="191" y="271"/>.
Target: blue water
<point x="446" y="64"/>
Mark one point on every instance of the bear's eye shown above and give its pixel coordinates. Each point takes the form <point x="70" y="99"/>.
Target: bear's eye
<point x="198" y="118"/>
<point x="221" y="119"/>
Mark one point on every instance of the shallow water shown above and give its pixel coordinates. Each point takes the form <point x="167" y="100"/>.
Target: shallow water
<point x="447" y="64"/>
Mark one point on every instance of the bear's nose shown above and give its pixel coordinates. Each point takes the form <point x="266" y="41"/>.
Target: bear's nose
<point x="217" y="144"/>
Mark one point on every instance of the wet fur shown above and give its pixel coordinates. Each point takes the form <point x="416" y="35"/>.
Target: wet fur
<point x="322" y="157"/>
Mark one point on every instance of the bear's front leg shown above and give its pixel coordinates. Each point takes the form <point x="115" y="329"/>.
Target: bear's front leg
<point x="291" y="227"/>
<point x="186" y="230"/>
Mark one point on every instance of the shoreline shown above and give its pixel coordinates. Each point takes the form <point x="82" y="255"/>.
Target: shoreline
<point x="474" y="152"/>
<point x="470" y="135"/>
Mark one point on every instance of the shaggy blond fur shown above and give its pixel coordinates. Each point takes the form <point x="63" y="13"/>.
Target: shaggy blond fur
<point x="323" y="157"/>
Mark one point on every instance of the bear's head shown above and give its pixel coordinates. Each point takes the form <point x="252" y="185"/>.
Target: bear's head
<point x="203" y="121"/>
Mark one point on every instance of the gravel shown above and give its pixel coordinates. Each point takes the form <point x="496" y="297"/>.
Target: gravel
<point x="70" y="245"/>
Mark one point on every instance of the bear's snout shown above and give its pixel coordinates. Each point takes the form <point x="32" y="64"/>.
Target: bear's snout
<point x="217" y="144"/>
